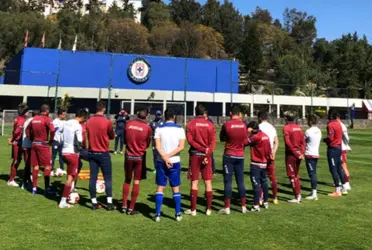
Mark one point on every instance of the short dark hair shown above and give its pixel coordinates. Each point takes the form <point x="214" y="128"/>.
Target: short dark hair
<point x="101" y="105"/>
<point x="262" y="115"/>
<point x="200" y="109"/>
<point x="35" y="112"/>
<point x="312" y="119"/>
<point x="81" y="113"/>
<point x="253" y="125"/>
<point x="60" y="111"/>
<point x="290" y="116"/>
<point x="235" y="110"/>
<point x="44" y="108"/>
<point x="333" y="115"/>
<point x="142" y="113"/>
<point x="22" y="109"/>
<point x="169" y="114"/>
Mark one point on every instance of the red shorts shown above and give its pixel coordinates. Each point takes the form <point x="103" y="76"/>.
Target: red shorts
<point x="72" y="161"/>
<point x="271" y="168"/>
<point x="40" y="156"/>
<point x="293" y="165"/>
<point x="196" y="166"/>
<point x="133" y="167"/>
<point x="344" y="156"/>
<point x="16" y="152"/>
<point x="27" y="156"/>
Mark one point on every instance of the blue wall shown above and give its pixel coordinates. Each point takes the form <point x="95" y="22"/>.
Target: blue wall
<point x="1" y="79"/>
<point x="92" y="69"/>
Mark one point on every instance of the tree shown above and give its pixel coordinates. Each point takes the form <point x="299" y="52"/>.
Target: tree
<point x="126" y="11"/>
<point x="188" y="41"/>
<point x="211" y="43"/>
<point x="262" y="15"/>
<point x="163" y="38"/>
<point x="185" y="11"/>
<point x="251" y="51"/>
<point x="291" y="73"/>
<point x="210" y="14"/>
<point x="156" y="13"/>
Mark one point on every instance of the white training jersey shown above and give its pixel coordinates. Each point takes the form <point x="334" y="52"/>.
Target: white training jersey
<point x="58" y="129"/>
<point x="313" y="136"/>
<point x="270" y="131"/>
<point x="345" y="138"/>
<point x="170" y="135"/>
<point x="72" y="137"/>
<point x="26" y="142"/>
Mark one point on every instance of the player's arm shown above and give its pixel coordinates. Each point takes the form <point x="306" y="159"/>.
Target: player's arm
<point x="251" y="138"/>
<point x="79" y="137"/>
<point x="110" y="130"/>
<point x="17" y="129"/>
<point x="288" y="142"/>
<point x="212" y="135"/>
<point x="192" y="142"/>
<point x="223" y="135"/>
<point x="51" y="130"/>
<point x="303" y="143"/>
<point x="276" y="144"/>
<point x="331" y="135"/>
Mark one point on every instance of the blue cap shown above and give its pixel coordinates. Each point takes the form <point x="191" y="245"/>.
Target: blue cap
<point x="158" y="112"/>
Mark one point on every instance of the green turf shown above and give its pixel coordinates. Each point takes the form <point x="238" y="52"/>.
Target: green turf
<point x="34" y="222"/>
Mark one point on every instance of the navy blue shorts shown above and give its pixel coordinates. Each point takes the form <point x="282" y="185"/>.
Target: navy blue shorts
<point x="163" y="173"/>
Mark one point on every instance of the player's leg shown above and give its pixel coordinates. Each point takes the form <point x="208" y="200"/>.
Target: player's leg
<point x="345" y="169"/>
<point x="175" y="182"/>
<point x="55" y="146"/>
<point x="265" y="187"/>
<point x="332" y="161"/>
<point x="207" y="174"/>
<point x="228" y="171"/>
<point x="161" y="182"/>
<point x="297" y="180"/>
<point x="17" y="157"/>
<point x="60" y="158"/>
<point x="121" y="142"/>
<point x="117" y="137"/>
<point x="340" y="172"/>
<point x="106" y="168"/>
<point x="213" y="164"/>
<point x="128" y="173"/>
<point x="94" y="168"/>
<point x="72" y="161"/>
<point x="44" y="161"/>
<point x="27" y="169"/>
<point x="291" y="162"/>
<point x="83" y="156"/>
<point x="35" y="168"/>
<point x="136" y="187"/>
<point x="239" y="178"/>
<point x="272" y="176"/>
<point x="311" y="165"/>
<point x="255" y="180"/>
<point x="193" y="176"/>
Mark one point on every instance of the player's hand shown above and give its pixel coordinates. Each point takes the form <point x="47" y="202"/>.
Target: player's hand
<point x="10" y="141"/>
<point x="301" y="157"/>
<point x="205" y="161"/>
<point x="169" y="164"/>
<point x="250" y="130"/>
<point x="272" y="156"/>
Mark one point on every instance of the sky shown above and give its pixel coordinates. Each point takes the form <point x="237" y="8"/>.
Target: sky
<point x="334" y="17"/>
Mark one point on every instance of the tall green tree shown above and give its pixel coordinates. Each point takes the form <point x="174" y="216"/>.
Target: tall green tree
<point x="211" y="14"/>
<point x="262" y="15"/>
<point x="156" y="12"/>
<point x="185" y="11"/>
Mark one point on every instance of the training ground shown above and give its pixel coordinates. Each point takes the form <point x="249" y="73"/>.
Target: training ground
<point x="34" y="222"/>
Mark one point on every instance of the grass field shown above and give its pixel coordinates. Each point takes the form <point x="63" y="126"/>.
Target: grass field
<point x="34" y="222"/>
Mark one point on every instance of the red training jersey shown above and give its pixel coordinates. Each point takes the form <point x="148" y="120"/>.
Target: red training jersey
<point x="100" y="132"/>
<point x="235" y="134"/>
<point x="137" y="137"/>
<point x="40" y="129"/>
<point x="260" y="149"/>
<point x="334" y="131"/>
<point x="294" y="140"/>
<point x="18" y="124"/>
<point x="201" y="135"/>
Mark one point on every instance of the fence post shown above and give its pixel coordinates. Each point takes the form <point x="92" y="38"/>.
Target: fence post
<point x="57" y="83"/>
<point x="110" y="86"/>
<point x="185" y="81"/>
<point x="231" y="85"/>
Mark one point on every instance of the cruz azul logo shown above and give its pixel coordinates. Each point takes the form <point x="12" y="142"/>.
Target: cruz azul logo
<point x="139" y="71"/>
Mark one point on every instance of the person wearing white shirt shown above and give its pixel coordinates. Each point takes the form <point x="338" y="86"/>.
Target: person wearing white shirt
<point x="72" y="143"/>
<point x="57" y="142"/>
<point x="26" y="145"/>
<point x="169" y="141"/>
<point x="345" y="147"/>
<point x="270" y="131"/>
<point x="313" y="136"/>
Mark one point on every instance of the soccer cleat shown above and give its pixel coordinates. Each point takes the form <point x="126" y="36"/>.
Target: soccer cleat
<point x="294" y="201"/>
<point x="275" y="201"/>
<point x="121" y="152"/>
<point x="115" y="153"/>
<point x="64" y="172"/>
<point x="225" y="211"/>
<point x="154" y="172"/>
<point x="261" y="202"/>
<point x="157" y="218"/>
<point x="178" y="217"/>
<point x="244" y="210"/>
<point x="12" y="184"/>
<point x="95" y="206"/>
<point x="266" y="205"/>
<point x="132" y="212"/>
<point x="65" y="205"/>
<point x="344" y="192"/>
<point x="312" y="198"/>
<point x="255" y="209"/>
<point x="34" y="191"/>
<point x="347" y="186"/>
<point x="335" y="194"/>
<point x="110" y="207"/>
<point x="190" y="212"/>
<point x="124" y="210"/>
<point x="208" y="212"/>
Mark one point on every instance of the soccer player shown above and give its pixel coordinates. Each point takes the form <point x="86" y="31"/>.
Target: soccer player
<point x="345" y="150"/>
<point x="72" y="143"/>
<point x="121" y="120"/>
<point x="57" y="144"/>
<point x="16" y="142"/>
<point x="294" y="152"/>
<point x="138" y="138"/>
<point x="26" y="145"/>
<point x="261" y="153"/>
<point x="169" y="141"/>
<point x="334" y="151"/>
<point x="41" y="132"/>
<point x="270" y="131"/>
<point x="100" y="132"/>
<point x="313" y="136"/>
<point x="158" y="121"/>
<point x="201" y="135"/>
<point x="235" y="134"/>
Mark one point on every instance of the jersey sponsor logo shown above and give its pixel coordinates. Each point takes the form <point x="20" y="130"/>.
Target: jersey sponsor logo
<point x="296" y="129"/>
<point x="237" y="126"/>
<point x="265" y="138"/>
<point x="202" y="124"/>
<point x="36" y="121"/>
<point x="135" y="128"/>
<point x="139" y="71"/>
